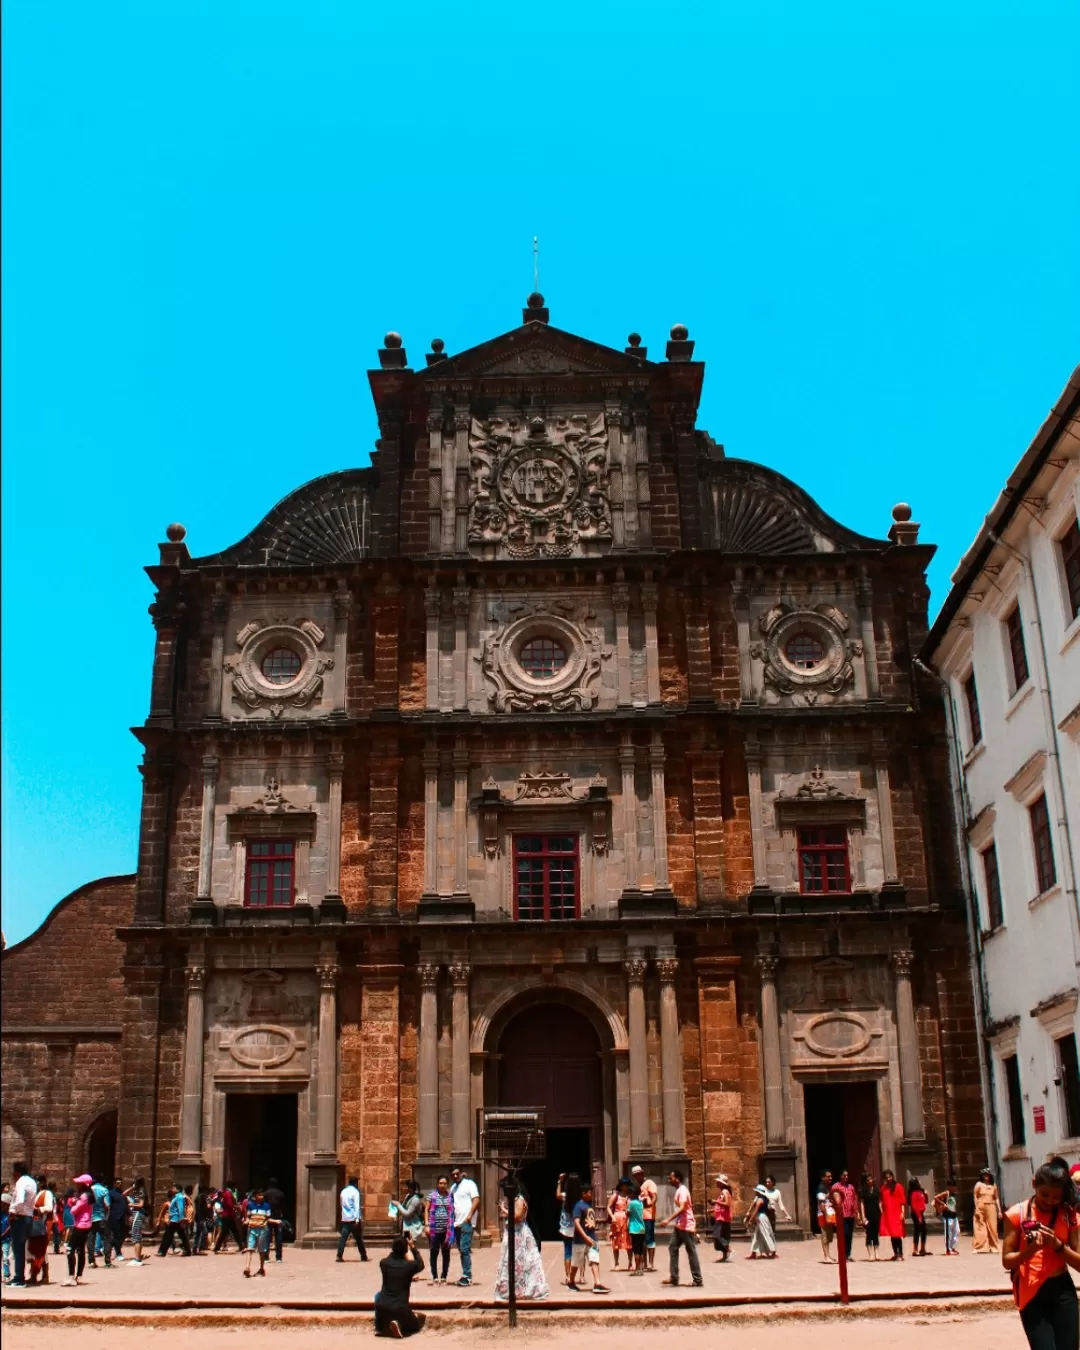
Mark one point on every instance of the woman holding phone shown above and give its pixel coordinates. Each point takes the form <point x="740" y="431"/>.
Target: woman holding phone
<point x="1041" y="1246"/>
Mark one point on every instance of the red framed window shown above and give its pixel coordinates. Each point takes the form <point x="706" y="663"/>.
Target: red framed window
<point x="546" y="876"/>
<point x="1014" y="628"/>
<point x="1045" y="870"/>
<point x="271" y="873"/>
<point x="1069" y="543"/>
<point x="824" y="868"/>
<point x="994" y="908"/>
<point x="971" y="698"/>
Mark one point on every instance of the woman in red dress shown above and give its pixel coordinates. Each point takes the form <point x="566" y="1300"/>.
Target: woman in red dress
<point x="618" y="1208"/>
<point x="893" y="1199"/>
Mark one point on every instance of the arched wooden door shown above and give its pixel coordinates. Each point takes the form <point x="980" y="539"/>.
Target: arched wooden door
<point x="549" y="1056"/>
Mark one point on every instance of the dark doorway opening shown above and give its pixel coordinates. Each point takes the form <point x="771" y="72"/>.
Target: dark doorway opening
<point x="550" y="1056"/>
<point x="101" y="1148"/>
<point x="841" y="1132"/>
<point x="567" y="1151"/>
<point x="260" y="1143"/>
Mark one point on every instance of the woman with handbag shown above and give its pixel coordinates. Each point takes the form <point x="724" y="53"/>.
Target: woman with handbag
<point x="1041" y="1247"/>
<point x="41" y="1226"/>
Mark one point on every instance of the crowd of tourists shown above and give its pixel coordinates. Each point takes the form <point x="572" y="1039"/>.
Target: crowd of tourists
<point x="95" y="1218"/>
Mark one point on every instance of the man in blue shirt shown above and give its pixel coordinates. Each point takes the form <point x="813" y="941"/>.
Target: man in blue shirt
<point x="99" y="1227"/>
<point x="175" y="1227"/>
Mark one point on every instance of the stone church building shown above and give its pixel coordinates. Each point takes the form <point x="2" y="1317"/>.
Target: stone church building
<point x="556" y="759"/>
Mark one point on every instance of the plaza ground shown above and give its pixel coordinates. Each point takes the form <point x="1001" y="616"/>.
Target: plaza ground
<point x="900" y="1330"/>
<point x="312" y="1280"/>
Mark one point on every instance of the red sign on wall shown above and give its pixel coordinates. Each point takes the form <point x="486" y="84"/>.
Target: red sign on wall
<point x="1039" y="1112"/>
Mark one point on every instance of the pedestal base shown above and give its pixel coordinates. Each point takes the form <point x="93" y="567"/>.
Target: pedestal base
<point x="325" y="1178"/>
<point x="779" y="1162"/>
<point x="446" y="909"/>
<point x="658" y="904"/>
<point x="190" y="1169"/>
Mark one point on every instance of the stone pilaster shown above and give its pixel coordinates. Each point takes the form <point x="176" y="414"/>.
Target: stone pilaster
<point x="649" y="599"/>
<point x="907" y="1048"/>
<point x="461" y="637"/>
<point x="428" y="1062"/>
<point x="219" y="615"/>
<point x="333" y="906"/>
<point x="671" y="1057"/>
<point x="771" y="1065"/>
<point x="757" y="815"/>
<point x="191" y="1104"/>
<point x="659" y="815"/>
<point x="620" y="598"/>
<point x="461" y="819"/>
<point x="432" y="607"/>
<point x="431" y="820"/>
<point x="342" y="611"/>
<point x="627" y="767"/>
<point x="210" y="768"/>
<point x="864" y="596"/>
<point x="885" y="811"/>
<point x="324" y="1170"/>
<point x="460" y="1114"/>
<point x="640" y="1139"/>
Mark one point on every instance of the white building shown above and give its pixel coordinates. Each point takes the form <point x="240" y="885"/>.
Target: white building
<point x="1007" y="646"/>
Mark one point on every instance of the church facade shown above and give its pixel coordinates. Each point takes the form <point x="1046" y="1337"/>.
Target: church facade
<point x="556" y="759"/>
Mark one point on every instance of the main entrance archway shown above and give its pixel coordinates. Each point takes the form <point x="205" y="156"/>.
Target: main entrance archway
<point x="551" y="1054"/>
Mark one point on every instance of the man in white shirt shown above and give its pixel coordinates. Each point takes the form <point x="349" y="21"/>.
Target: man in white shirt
<point x="352" y="1219"/>
<point x="466" y="1204"/>
<point x="23" y="1194"/>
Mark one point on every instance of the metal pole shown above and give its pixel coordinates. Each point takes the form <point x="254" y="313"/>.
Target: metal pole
<point x="511" y="1189"/>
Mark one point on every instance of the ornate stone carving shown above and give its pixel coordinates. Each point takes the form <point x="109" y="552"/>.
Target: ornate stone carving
<point x="635" y="970"/>
<point x="460" y="972"/>
<point x="539" y="487"/>
<point x="429" y="975"/>
<point x="255" y="641"/>
<point x="263" y="1046"/>
<point x="667" y="967"/>
<point x="829" y="626"/>
<point x="196" y="978"/>
<point x="541" y="790"/>
<point x="572" y="624"/>
<point x="819" y="801"/>
<point x="902" y="962"/>
<point x="818" y="788"/>
<point x="327" y="972"/>
<point x="837" y="1035"/>
<point x="768" y="964"/>
<point x="545" y="787"/>
<point x="273" y="801"/>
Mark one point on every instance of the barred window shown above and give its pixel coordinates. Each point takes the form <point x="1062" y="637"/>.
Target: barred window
<point x="543" y="658"/>
<point x="823" y="861"/>
<point x="271" y="873"/>
<point x="281" y="665"/>
<point x="805" y="651"/>
<point x="546" y="876"/>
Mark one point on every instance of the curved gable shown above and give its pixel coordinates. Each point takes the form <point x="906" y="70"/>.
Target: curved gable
<point x="327" y="520"/>
<point x="750" y="509"/>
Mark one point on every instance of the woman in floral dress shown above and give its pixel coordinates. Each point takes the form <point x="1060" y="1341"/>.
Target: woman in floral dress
<point x="618" y="1208"/>
<point x="529" y="1278"/>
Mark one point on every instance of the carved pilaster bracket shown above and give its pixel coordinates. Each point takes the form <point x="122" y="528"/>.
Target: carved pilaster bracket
<point x="667" y="967"/>
<point x="768" y="963"/>
<point x="429" y="975"/>
<point x="635" y="970"/>
<point x="196" y="979"/>
<point x="902" y="962"/>
<point x="460" y="972"/>
<point x="327" y="972"/>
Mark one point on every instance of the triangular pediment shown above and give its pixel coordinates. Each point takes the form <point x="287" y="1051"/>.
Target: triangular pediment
<point x="537" y="349"/>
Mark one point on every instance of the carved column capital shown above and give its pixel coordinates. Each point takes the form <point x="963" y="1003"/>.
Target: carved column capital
<point x="902" y="962"/>
<point x="635" y="969"/>
<point x="460" y="971"/>
<point x="211" y="765"/>
<point x="627" y="756"/>
<point x="335" y="764"/>
<point x="342" y="604"/>
<point x="461" y="755"/>
<point x="327" y="972"/>
<point x="429" y="974"/>
<point x="650" y="595"/>
<point x="219" y="609"/>
<point x="768" y="963"/>
<point x="462" y="419"/>
<point x="461" y="602"/>
<point x="667" y="967"/>
<point x="435" y="420"/>
<point x="196" y="979"/>
<point x="620" y="596"/>
<point x="657" y="754"/>
<point x="432" y="601"/>
<point x="430" y="757"/>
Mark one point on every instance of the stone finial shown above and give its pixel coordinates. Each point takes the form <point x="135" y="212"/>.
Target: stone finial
<point x="680" y="348"/>
<point x="175" y="551"/>
<point x="392" y="354"/>
<point x="904" y="530"/>
<point x="437" y="353"/>
<point x="634" y="347"/>
<point x="535" y="310"/>
<point x="175" y="533"/>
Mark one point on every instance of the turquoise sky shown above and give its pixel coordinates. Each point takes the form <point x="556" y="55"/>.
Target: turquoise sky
<point x="865" y="213"/>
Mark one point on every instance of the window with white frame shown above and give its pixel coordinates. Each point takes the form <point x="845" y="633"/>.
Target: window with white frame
<point x="1016" y="649"/>
<point x="971" y="702"/>
<point x="1069" y="553"/>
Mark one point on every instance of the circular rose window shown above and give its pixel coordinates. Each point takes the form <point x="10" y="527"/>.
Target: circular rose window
<point x="281" y="665"/>
<point x="805" y="651"/>
<point x="542" y="658"/>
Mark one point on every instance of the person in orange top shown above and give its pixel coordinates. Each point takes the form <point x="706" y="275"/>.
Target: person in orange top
<point x="1042" y="1242"/>
<point x="893" y="1200"/>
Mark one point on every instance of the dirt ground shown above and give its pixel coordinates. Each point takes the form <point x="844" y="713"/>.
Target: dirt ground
<point x="911" y="1331"/>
